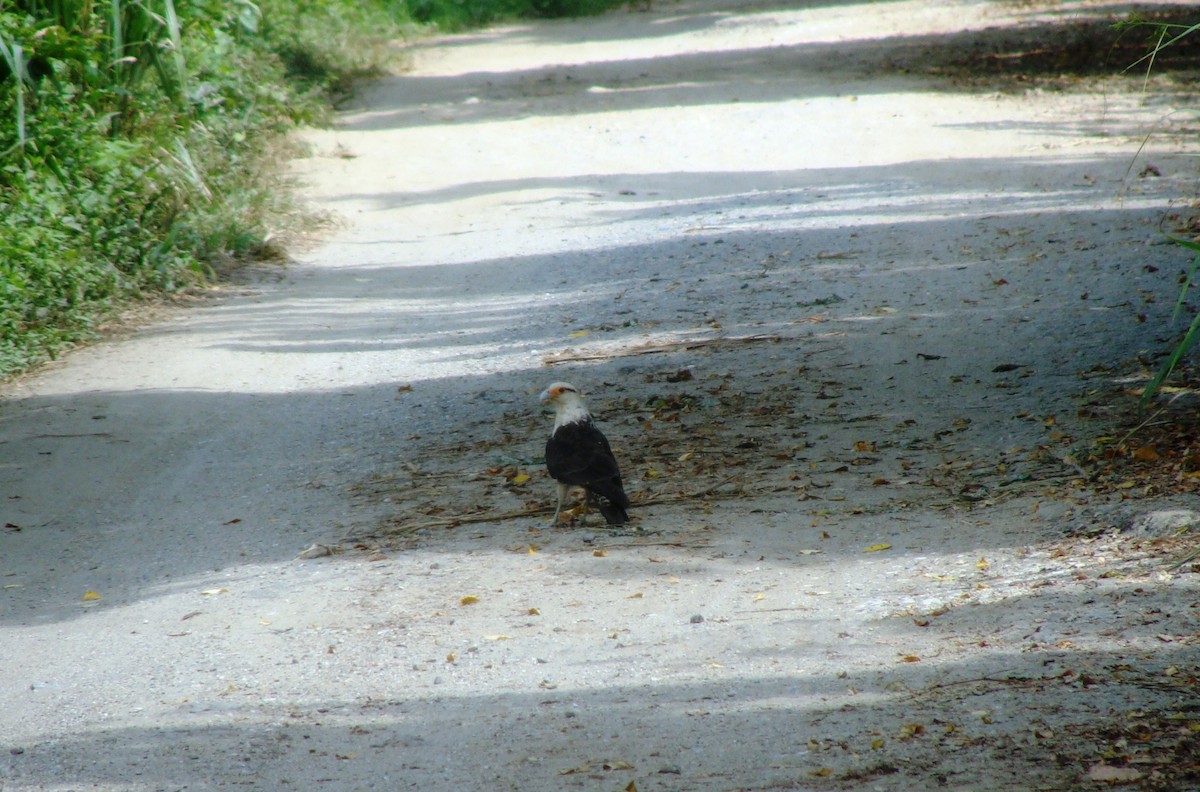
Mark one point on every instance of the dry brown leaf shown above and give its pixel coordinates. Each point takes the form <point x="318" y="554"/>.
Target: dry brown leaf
<point x="1113" y="775"/>
<point x="1145" y="454"/>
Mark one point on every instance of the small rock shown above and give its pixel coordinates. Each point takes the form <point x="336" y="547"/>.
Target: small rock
<point x="314" y="550"/>
<point x="671" y="769"/>
<point x="1167" y="522"/>
<point x="697" y="619"/>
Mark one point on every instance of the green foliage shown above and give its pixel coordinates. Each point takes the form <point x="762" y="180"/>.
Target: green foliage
<point x="459" y="14"/>
<point x="1191" y="337"/>
<point x="132" y="164"/>
<point x="139" y="138"/>
<point x="1163" y="35"/>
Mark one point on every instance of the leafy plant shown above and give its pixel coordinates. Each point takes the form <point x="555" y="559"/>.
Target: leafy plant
<point x="1164" y="35"/>
<point x="1191" y="337"/>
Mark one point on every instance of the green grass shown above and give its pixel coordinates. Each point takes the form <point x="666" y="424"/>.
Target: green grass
<point x="1164" y="35"/>
<point x="139" y="139"/>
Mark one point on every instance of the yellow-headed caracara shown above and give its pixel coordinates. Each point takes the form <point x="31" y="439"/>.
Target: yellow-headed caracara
<point x="578" y="455"/>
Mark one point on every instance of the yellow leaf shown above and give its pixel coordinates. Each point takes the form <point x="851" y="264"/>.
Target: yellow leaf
<point x="450" y="658"/>
<point x="875" y="548"/>
<point x="631" y="787"/>
<point x="911" y="730"/>
<point x="578" y="334"/>
<point x="533" y="549"/>
<point x="520" y="478"/>
<point x="90" y="596"/>
<point x="824" y="772"/>
<point x="533" y="612"/>
<point x="982" y="564"/>
<point x="470" y="599"/>
<point x="497" y="638"/>
<point x="758" y="597"/>
<point x="599" y="552"/>
<point x="877" y="744"/>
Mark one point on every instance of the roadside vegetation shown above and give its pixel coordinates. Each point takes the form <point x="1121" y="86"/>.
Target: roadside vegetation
<point x="140" y="139"/>
<point x="1164" y="36"/>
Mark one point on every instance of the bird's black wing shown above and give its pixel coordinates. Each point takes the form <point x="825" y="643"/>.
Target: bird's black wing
<point x="579" y="454"/>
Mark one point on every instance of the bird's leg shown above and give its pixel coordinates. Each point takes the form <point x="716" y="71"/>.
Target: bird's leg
<point x="562" y="496"/>
<point x="587" y="501"/>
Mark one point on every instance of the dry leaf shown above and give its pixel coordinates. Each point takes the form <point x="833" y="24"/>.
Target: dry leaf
<point x="910" y="659"/>
<point x="470" y="599"/>
<point x="90" y="596"/>
<point x="635" y="595"/>
<point x="1113" y="775"/>
<point x="533" y="612"/>
<point x="824" y="772"/>
<point x="982" y="564"/>
<point x="911" y="730"/>
<point x="1146" y="454"/>
<point x="451" y="657"/>
<point x="578" y="334"/>
<point x="214" y="591"/>
<point x="497" y="638"/>
<point x="599" y="552"/>
<point x="875" y="548"/>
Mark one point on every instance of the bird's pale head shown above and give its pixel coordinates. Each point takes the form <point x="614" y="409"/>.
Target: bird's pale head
<point x="559" y="393"/>
<point x="566" y="401"/>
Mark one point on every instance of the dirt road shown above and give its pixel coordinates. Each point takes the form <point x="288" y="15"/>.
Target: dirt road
<point x="850" y="296"/>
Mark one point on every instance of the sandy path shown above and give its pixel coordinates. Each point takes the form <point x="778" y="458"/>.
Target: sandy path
<point x="929" y="277"/>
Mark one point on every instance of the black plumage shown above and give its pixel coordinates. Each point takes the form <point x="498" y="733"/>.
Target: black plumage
<point x="578" y="455"/>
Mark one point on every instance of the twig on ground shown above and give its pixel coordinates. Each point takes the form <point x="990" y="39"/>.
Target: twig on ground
<point x="708" y="492"/>
<point x="655" y="349"/>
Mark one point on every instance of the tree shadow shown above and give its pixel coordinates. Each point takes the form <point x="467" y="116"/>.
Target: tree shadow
<point x="707" y="706"/>
<point x="1050" y="54"/>
<point x="829" y="377"/>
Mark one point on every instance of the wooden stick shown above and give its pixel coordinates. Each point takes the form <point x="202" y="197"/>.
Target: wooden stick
<point x="656" y="349"/>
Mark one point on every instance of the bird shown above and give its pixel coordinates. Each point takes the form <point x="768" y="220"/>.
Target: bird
<point x="578" y="455"/>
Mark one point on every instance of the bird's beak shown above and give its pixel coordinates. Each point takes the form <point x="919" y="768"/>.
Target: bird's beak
<point x="544" y="397"/>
